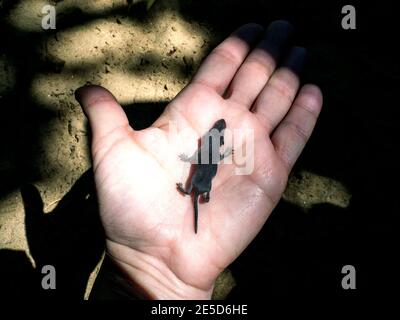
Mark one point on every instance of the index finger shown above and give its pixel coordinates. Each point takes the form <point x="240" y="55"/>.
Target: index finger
<point x="219" y="68"/>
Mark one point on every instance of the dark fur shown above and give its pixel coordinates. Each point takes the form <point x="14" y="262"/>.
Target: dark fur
<point x="206" y="158"/>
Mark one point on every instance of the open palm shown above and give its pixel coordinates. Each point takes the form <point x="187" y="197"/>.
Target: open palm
<point x="148" y="223"/>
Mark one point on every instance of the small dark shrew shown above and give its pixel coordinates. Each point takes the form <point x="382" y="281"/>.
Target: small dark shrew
<point x="206" y="159"/>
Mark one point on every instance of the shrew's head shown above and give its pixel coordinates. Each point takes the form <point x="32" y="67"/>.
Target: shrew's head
<point x="219" y="125"/>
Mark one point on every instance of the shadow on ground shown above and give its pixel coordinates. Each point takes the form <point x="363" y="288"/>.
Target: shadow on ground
<point x="70" y="238"/>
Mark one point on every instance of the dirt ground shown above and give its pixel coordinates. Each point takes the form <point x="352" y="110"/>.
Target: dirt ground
<point x="144" y="57"/>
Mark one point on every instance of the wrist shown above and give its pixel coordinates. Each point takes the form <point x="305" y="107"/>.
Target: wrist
<point x="150" y="278"/>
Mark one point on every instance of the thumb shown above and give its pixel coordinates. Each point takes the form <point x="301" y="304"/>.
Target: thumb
<point x="102" y="109"/>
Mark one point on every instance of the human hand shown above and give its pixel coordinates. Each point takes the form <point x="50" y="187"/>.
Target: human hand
<point x="148" y="223"/>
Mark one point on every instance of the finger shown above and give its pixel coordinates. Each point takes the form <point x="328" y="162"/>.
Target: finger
<point x="103" y="111"/>
<point x="295" y="129"/>
<point x="259" y="65"/>
<point x="277" y="96"/>
<point x="222" y="63"/>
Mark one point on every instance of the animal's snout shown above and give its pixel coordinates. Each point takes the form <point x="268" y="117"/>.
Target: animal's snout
<point x="220" y="125"/>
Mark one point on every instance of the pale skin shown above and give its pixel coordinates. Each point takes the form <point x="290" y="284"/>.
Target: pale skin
<point x="148" y="223"/>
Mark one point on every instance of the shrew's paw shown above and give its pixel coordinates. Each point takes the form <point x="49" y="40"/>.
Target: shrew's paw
<point x="184" y="157"/>
<point x="181" y="188"/>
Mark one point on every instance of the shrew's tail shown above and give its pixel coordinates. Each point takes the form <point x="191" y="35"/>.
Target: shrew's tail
<point x="196" y="211"/>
